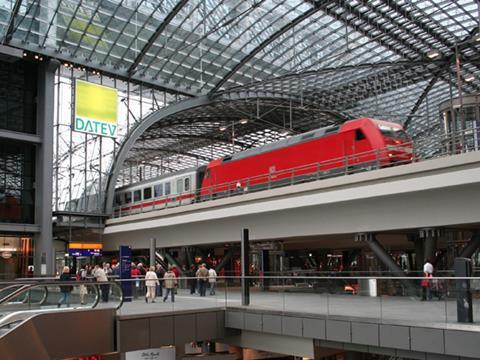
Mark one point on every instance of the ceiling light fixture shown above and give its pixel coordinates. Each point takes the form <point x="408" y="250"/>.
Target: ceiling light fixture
<point x="223" y="128"/>
<point x="469" y="78"/>
<point x="243" y="121"/>
<point x="433" y="54"/>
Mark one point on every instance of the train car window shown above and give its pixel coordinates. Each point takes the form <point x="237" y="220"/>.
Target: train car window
<point x="392" y="132"/>
<point x="158" y="190"/>
<point x="128" y="197"/>
<point x="207" y="173"/>
<point x="359" y="135"/>
<point x="308" y="136"/>
<point x="332" y="130"/>
<point x="179" y="186"/>
<point x="186" y="184"/>
<point x="137" y="195"/>
<point x="147" y="193"/>
<point x="167" y="188"/>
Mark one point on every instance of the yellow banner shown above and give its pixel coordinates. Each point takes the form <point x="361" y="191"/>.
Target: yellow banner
<point x="95" y="109"/>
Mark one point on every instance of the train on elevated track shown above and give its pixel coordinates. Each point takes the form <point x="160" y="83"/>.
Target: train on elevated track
<point x="356" y="145"/>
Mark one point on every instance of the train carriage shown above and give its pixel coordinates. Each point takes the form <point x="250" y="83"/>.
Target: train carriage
<point x="356" y="145"/>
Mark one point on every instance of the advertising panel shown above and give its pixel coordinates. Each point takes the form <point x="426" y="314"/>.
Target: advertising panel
<point x="95" y="109"/>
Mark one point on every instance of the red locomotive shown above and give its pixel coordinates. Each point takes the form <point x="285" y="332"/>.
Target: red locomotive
<point x="353" y="146"/>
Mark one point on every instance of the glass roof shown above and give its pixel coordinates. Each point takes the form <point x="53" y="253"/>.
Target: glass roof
<point x="194" y="46"/>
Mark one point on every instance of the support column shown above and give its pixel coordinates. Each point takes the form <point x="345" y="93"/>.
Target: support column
<point x="385" y="258"/>
<point x="472" y="246"/>
<point x="430" y="237"/>
<point x="44" y="263"/>
<point x="227" y="256"/>
<point x="245" y="266"/>
<point x="153" y="245"/>
<point x="172" y="261"/>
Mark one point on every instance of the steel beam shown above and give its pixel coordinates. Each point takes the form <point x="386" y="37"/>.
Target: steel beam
<point x="155" y="35"/>
<point x="385" y="258"/>
<point x="472" y="246"/>
<point x="19" y="136"/>
<point x="11" y="22"/>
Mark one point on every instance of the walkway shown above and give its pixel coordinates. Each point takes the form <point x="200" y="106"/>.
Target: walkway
<point x="385" y="309"/>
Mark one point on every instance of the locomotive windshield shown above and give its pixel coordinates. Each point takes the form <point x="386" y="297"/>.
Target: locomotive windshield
<point x="393" y="132"/>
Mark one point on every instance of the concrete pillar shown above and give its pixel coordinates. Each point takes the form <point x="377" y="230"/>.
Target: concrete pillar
<point x="153" y="245"/>
<point x="43" y="242"/>
<point x="245" y="264"/>
<point x="429" y="236"/>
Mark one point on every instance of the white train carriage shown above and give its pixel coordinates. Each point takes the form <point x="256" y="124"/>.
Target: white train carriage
<point x="165" y="191"/>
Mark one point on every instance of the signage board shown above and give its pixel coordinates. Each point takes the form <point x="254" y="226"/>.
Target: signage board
<point x="85" y="249"/>
<point x="95" y="109"/>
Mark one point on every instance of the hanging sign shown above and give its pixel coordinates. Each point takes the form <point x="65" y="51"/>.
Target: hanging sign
<point x="95" y="109"/>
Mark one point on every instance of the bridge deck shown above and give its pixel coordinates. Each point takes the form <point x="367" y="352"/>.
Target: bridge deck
<point x="384" y="309"/>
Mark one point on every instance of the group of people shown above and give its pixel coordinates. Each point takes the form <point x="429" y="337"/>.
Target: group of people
<point x="156" y="280"/>
<point x="97" y="272"/>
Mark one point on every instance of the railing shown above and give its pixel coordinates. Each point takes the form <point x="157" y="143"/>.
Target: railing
<point x="382" y="298"/>
<point x="41" y="295"/>
<point x="459" y="142"/>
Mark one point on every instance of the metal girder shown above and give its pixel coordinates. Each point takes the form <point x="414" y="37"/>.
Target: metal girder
<point x="156" y="34"/>
<point x="11" y="22"/>
<point x="316" y="8"/>
<point x="174" y="152"/>
<point x="135" y="134"/>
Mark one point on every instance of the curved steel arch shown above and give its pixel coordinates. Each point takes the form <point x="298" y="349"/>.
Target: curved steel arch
<point x="136" y="133"/>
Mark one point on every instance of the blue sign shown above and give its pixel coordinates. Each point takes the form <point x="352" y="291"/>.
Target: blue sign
<point x="84" y="252"/>
<point x="125" y="272"/>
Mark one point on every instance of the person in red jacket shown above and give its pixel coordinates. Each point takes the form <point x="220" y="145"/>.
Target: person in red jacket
<point x="135" y="274"/>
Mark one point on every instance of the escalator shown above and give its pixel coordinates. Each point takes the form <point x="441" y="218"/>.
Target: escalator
<point x="20" y="301"/>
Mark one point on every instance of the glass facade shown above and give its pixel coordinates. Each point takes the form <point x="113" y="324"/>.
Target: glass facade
<point x="18" y="84"/>
<point x="17" y="176"/>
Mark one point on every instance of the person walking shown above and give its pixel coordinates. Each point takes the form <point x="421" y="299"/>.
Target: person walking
<point x="202" y="276"/>
<point x="170" y="281"/>
<point x="160" y="274"/>
<point x="192" y="280"/>
<point x="151" y="282"/>
<point x="65" y="290"/>
<point x="82" y="277"/>
<point x="212" y="280"/>
<point x="101" y="277"/>
<point x="426" y="281"/>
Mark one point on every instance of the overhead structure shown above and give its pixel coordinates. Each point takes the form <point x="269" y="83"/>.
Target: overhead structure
<point x="265" y="69"/>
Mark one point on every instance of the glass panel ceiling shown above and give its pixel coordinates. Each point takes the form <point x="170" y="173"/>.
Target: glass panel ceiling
<point x="194" y="46"/>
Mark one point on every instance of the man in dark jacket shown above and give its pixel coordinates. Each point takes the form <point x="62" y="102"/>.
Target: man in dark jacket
<point x="160" y="274"/>
<point x="65" y="290"/>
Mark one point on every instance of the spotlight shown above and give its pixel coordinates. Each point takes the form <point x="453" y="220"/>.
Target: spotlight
<point x="433" y="54"/>
<point x="24" y="54"/>
<point x="36" y="57"/>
